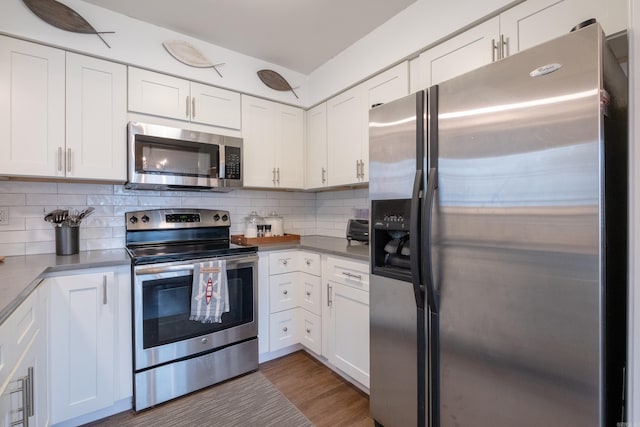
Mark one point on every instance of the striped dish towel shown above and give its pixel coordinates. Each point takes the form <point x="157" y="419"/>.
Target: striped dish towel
<point x="209" y="293"/>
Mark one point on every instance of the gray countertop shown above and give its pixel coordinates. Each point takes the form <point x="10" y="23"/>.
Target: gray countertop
<point x="20" y="275"/>
<point x="329" y="245"/>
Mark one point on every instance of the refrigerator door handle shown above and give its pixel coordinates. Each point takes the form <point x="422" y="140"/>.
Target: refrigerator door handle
<point x="426" y="248"/>
<point x="414" y="242"/>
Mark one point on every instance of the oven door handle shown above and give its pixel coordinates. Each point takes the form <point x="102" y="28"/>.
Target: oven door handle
<point x="231" y="261"/>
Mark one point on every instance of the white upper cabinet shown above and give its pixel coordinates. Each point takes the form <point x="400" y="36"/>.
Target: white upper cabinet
<point x="523" y="26"/>
<point x="166" y="96"/>
<point x="96" y="118"/>
<point x="44" y="89"/>
<point x="317" y="146"/>
<point x="465" y="52"/>
<point x="345" y="117"/>
<point x="348" y="124"/>
<point x="32" y="108"/>
<point x="273" y="136"/>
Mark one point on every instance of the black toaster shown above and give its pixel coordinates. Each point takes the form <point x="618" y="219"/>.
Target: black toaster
<point x="358" y="230"/>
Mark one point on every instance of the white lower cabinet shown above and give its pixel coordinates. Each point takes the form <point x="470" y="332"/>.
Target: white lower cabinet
<point x="345" y="317"/>
<point x="23" y="398"/>
<point x="89" y="344"/>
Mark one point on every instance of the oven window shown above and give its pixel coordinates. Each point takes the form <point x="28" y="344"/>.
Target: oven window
<point x="177" y="158"/>
<point x="167" y="307"/>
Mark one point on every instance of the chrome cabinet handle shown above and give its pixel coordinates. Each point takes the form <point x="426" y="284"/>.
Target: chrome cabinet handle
<point x="308" y="330"/>
<point x="104" y="289"/>
<point x="278" y="173"/>
<point x="324" y="172"/>
<point x="357" y="168"/>
<point x="285" y="329"/>
<point x="352" y="276"/>
<point x="329" y="300"/>
<point x="285" y="292"/>
<point x="193" y="107"/>
<point x="362" y="169"/>
<point x="308" y="293"/>
<point x="308" y="261"/>
<point x="494" y="50"/>
<point x="187" y="104"/>
<point x="503" y="46"/>
<point x="30" y="393"/>
<point x="68" y="159"/>
<point x="59" y="159"/>
<point x="284" y="261"/>
<point x="274" y="176"/>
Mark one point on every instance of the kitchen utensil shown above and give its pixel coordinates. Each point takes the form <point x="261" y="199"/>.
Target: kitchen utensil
<point x="61" y="16"/>
<point x="85" y="213"/>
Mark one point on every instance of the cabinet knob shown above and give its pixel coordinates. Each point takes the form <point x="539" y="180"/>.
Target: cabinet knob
<point x="308" y="261"/>
<point x="308" y="330"/>
<point x="284" y="329"/>
<point x="203" y="340"/>
<point x="285" y="292"/>
<point x="308" y="293"/>
<point x="284" y="262"/>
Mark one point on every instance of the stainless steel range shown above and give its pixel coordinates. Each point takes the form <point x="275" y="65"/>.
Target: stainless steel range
<point x="174" y="355"/>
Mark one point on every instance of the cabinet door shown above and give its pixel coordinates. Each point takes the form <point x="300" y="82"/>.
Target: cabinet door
<point x="158" y="94"/>
<point x="349" y="331"/>
<point x="380" y="89"/>
<point x="465" y="52"/>
<point x="31" y="108"/>
<point x="81" y="355"/>
<point x="96" y="144"/>
<point x="259" y="122"/>
<point x="317" y="146"/>
<point x="214" y="106"/>
<point x="344" y="137"/>
<point x="289" y="158"/>
<point x="537" y="21"/>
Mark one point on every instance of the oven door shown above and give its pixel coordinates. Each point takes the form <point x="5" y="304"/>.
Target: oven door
<point x="162" y="306"/>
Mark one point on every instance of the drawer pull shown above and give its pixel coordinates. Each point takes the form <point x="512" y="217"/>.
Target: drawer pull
<point x="284" y="261"/>
<point x="308" y="293"/>
<point x="285" y="292"/>
<point x="308" y="330"/>
<point x="308" y="261"/>
<point x="284" y="329"/>
<point x="352" y="276"/>
<point x="329" y="301"/>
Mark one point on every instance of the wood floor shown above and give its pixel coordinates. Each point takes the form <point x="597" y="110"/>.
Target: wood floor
<point x="324" y="397"/>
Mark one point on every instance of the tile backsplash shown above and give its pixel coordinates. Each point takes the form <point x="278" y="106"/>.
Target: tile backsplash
<point x="304" y="213"/>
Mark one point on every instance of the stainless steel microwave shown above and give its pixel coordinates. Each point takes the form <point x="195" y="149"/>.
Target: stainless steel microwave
<point x="167" y="158"/>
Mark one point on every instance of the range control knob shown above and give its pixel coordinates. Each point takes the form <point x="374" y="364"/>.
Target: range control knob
<point x="133" y="219"/>
<point x="216" y="217"/>
<point x="145" y="219"/>
<point x="225" y="217"/>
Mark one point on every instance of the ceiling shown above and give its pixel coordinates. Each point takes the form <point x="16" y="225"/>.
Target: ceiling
<point x="296" y="34"/>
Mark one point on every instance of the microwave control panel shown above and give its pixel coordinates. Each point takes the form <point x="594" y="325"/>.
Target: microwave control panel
<point x="232" y="162"/>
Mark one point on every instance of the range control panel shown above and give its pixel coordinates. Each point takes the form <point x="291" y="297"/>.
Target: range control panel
<point x="155" y="219"/>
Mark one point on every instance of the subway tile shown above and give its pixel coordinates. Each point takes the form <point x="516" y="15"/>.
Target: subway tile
<point x="95" y="233"/>
<point x="12" y="249"/>
<point x="113" y="243"/>
<point x="79" y="188"/>
<point x="56" y="199"/>
<point x="11" y="199"/>
<point x="28" y="187"/>
<point x="104" y="200"/>
<point x="33" y="248"/>
<point x="15" y="224"/>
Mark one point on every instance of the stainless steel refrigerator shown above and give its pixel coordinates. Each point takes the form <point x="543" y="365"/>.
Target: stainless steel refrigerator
<point x="498" y="244"/>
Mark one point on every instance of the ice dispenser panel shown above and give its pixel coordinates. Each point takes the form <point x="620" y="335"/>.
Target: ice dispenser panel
<point x="390" y="238"/>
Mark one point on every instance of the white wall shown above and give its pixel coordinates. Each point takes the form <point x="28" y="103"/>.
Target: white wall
<point x="28" y="233"/>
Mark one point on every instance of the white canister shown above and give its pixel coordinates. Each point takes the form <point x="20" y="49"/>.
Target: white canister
<point x="251" y="224"/>
<point x="276" y="222"/>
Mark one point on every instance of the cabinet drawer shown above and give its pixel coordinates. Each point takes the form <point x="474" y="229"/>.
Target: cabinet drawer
<point x="311" y="332"/>
<point x="282" y="292"/>
<point x="309" y="263"/>
<point x="283" y="329"/>
<point x="310" y="295"/>
<point x="347" y="272"/>
<point x="283" y="262"/>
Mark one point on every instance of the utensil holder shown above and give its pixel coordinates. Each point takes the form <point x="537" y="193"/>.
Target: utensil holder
<point x="67" y="240"/>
